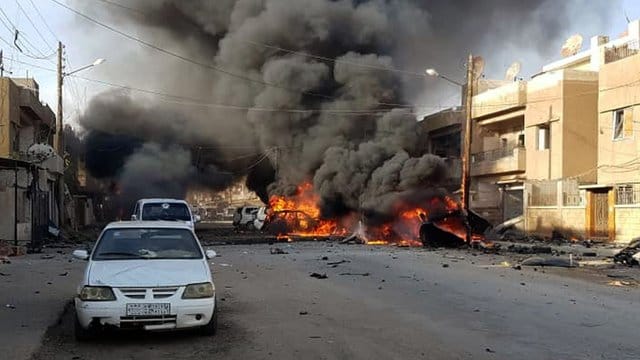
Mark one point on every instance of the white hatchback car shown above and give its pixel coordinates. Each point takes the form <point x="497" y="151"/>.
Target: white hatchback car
<point x="150" y="275"/>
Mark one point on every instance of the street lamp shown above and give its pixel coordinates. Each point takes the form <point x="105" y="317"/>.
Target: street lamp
<point x="434" y="73"/>
<point x="466" y="155"/>
<point x="95" y="63"/>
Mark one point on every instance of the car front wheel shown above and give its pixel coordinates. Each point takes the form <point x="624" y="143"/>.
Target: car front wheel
<point x="211" y="327"/>
<point x="81" y="333"/>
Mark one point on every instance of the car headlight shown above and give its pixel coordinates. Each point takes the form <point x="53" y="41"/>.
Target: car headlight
<point x="199" y="291"/>
<point x="97" y="293"/>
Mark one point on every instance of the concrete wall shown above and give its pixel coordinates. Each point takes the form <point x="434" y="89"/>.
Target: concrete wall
<point x="627" y="224"/>
<point x="566" y="101"/>
<point x="7" y="197"/>
<point x="499" y="99"/>
<point x="568" y="220"/>
<point x="580" y="126"/>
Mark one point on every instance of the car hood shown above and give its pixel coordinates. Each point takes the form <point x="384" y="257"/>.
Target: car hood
<point x="148" y="273"/>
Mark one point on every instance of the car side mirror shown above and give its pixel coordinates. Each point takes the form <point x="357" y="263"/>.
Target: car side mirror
<point x="210" y="254"/>
<point x="81" y="254"/>
<point x="197" y="218"/>
<point x="134" y="217"/>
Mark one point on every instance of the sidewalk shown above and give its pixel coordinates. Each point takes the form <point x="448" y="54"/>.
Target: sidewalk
<point x="34" y="291"/>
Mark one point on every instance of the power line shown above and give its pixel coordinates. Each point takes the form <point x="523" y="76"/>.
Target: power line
<point x="34" y="25"/>
<point x="43" y="19"/>
<point x="204" y="65"/>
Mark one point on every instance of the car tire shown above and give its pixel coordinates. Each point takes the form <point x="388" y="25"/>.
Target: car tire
<point x="212" y="327"/>
<point x="82" y="334"/>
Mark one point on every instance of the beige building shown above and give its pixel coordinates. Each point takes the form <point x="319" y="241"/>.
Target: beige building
<point x="498" y="153"/>
<point x="442" y="136"/>
<point x="615" y="207"/>
<point x="29" y="168"/>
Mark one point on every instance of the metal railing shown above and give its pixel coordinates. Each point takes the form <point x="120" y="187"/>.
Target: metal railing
<point x="628" y="195"/>
<point x="496" y="154"/>
<point x="615" y="53"/>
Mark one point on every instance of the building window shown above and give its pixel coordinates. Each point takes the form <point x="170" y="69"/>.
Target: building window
<point x="622" y="124"/>
<point x="544" y="137"/>
<point x="628" y="194"/>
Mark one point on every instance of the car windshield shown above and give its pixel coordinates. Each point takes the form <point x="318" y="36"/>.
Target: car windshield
<point x="166" y="211"/>
<point x="147" y="243"/>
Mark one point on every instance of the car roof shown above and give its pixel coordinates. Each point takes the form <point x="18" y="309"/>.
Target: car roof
<point x="162" y="200"/>
<point x="147" y="224"/>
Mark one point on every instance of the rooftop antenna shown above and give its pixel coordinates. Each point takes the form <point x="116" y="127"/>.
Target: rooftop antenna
<point x="513" y="71"/>
<point x="572" y="45"/>
<point x="478" y="67"/>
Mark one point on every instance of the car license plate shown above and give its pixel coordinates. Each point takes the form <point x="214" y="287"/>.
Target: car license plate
<point x="148" y="309"/>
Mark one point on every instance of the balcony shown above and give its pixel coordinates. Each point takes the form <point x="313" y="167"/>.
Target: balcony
<point x="499" y="161"/>
<point x="499" y="100"/>
<point x="30" y="104"/>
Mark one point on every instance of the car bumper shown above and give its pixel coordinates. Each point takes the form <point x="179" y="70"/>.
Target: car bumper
<point x="184" y="314"/>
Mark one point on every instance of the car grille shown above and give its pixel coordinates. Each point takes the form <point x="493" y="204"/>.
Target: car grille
<point x="139" y="321"/>
<point x="154" y="293"/>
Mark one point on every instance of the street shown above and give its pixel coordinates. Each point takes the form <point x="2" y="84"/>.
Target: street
<point x="385" y="303"/>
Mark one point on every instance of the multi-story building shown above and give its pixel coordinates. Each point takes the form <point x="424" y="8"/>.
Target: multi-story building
<point x="29" y="168"/>
<point x="441" y="133"/>
<point x="498" y="155"/>
<point x="614" y="207"/>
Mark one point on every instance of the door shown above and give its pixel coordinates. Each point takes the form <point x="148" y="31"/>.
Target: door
<point x="512" y="204"/>
<point x="600" y="215"/>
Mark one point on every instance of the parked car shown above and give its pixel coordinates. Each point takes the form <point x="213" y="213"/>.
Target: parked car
<point x="164" y="209"/>
<point x="150" y="275"/>
<point x="244" y="216"/>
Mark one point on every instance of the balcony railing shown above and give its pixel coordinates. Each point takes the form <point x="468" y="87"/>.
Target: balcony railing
<point x="495" y="154"/>
<point x="615" y="53"/>
<point x="503" y="160"/>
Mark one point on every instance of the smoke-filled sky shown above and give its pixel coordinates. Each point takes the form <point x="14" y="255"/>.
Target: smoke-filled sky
<point x="299" y="123"/>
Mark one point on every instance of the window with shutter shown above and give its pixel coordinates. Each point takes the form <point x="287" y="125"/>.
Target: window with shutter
<point x="628" y="123"/>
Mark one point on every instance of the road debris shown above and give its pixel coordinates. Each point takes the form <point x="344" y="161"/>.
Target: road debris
<point x="355" y="274"/>
<point x="303" y="313"/>
<point x="489" y="350"/>
<point x="338" y="262"/>
<point x="4" y="274"/>
<point x="630" y="255"/>
<point x="318" y="276"/>
<point x="277" y="251"/>
<point x="64" y="273"/>
<point x="10" y="306"/>
<point x="445" y="265"/>
<point x="552" y="261"/>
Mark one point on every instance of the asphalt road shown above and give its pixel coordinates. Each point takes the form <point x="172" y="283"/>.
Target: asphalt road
<point x="386" y="303"/>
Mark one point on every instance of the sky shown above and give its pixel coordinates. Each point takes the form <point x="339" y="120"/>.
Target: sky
<point x="84" y="44"/>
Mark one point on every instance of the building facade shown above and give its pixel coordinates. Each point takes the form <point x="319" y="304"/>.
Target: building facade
<point x="30" y="170"/>
<point x="442" y="136"/>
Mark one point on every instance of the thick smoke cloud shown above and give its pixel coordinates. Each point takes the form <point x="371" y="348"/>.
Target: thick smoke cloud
<point x="303" y="127"/>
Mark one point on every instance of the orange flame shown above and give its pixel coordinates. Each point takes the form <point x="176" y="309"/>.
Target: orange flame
<point x="301" y="216"/>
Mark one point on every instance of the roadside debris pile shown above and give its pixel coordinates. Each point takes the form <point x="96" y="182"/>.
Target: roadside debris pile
<point x="629" y="255"/>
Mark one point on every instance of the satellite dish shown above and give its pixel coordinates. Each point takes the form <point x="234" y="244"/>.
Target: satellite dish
<point x="572" y="45"/>
<point x="513" y="71"/>
<point x="478" y="67"/>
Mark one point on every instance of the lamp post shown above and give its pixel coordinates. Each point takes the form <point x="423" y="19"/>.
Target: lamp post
<point x="466" y="152"/>
<point x="59" y="139"/>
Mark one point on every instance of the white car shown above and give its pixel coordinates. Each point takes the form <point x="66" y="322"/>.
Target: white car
<point x="164" y="209"/>
<point x="150" y="275"/>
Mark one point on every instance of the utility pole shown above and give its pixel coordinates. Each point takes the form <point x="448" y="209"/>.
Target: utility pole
<point x="59" y="139"/>
<point x="466" y="155"/>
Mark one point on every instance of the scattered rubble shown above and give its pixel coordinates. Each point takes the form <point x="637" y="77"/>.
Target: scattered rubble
<point x="630" y="255"/>
<point x="303" y="313"/>
<point x="318" y="276"/>
<point x="277" y="251"/>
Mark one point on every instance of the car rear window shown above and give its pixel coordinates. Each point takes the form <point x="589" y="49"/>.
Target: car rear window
<point x="165" y="211"/>
<point x="147" y="243"/>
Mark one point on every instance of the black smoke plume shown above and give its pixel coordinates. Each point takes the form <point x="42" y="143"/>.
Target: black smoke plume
<point x="294" y="119"/>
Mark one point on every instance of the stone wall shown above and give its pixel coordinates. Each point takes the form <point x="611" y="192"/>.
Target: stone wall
<point x="568" y="220"/>
<point x="627" y="223"/>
